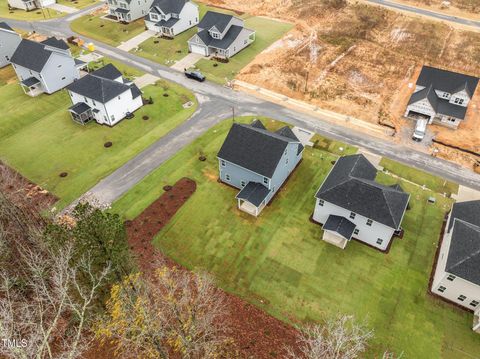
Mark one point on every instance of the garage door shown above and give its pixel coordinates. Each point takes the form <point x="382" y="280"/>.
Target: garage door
<point x="199" y="49"/>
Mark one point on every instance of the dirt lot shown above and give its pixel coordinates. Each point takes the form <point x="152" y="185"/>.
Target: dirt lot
<point x="357" y="59"/>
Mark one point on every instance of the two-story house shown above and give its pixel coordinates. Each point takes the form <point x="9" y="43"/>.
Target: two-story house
<point x="45" y="67"/>
<point x="104" y="96"/>
<point x="457" y="274"/>
<point x="220" y="35"/>
<point x="441" y="96"/>
<point x="350" y="204"/>
<point x="129" y="10"/>
<point x="9" y="41"/>
<point x="257" y="162"/>
<point x="29" y="5"/>
<point x="172" y="17"/>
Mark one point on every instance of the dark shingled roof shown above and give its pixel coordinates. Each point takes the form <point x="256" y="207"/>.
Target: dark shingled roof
<point x="167" y="23"/>
<point x="30" y="81"/>
<point x="170" y="6"/>
<point x="464" y="252"/>
<point x="107" y="72"/>
<point x="135" y="91"/>
<point x="31" y="55"/>
<point x="351" y="185"/>
<point x="468" y="211"/>
<point x="217" y="19"/>
<point x="258" y="124"/>
<point x="223" y="43"/>
<point x="122" y="11"/>
<point x="339" y="225"/>
<point x="53" y="42"/>
<point x="79" y="108"/>
<point x="253" y="192"/>
<point x="4" y="25"/>
<point x="447" y="81"/>
<point x="254" y="148"/>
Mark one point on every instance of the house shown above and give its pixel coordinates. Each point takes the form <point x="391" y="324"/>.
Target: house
<point x="9" y="41"/>
<point x="172" y="17"/>
<point x="220" y="35"/>
<point x="257" y="162"/>
<point x="128" y="10"/>
<point x="441" y="96"/>
<point x="457" y="274"/>
<point x="29" y="5"/>
<point x="45" y="67"/>
<point x="350" y="204"/>
<point x="104" y="96"/>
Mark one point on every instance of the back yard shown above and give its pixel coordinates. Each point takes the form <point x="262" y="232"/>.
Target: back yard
<point x="279" y="263"/>
<point x="40" y="140"/>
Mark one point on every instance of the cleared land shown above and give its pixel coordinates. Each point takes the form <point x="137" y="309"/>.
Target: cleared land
<point x="279" y="263"/>
<point x="109" y="32"/>
<point x="39" y="14"/>
<point x="40" y="140"/>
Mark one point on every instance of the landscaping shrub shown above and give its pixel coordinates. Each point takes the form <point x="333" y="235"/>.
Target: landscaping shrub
<point x="107" y="144"/>
<point x="63" y="174"/>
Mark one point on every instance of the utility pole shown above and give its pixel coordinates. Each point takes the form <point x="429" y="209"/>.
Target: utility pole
<point x="233" y="113"/>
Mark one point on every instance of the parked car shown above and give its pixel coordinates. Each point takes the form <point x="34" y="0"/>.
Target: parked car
<point x="420" y="130"/>
<point x="195" y="75"/>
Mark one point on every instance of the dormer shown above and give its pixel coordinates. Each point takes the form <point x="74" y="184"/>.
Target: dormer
<point x="215" y="33"/>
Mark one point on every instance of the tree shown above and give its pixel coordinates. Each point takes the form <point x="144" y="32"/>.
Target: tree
<point x="171" y="312"/>
<point x="338" y="338"/>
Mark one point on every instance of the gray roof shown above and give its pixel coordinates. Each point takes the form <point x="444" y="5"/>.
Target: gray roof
<point x="54" y="42"/>
<point x="223" y="43"/>
<point x="339" y="225"/>
<point x="170" y="6"/>
<point x="217" y="19"/>
<point x="31" y="55"/>
<point x="253" y="192"/>
<point x="167" y="23"/>
<point x="254" y="148"/>
<point x="447" y="81"/>
<point x="4" y="25"/>
<point x="464" y="253"/>
<point x="107" y="72"/>
<point x="30" y="81"/>
<point x="79" y="108"/>
<point x="351" y="185"/>
<point x="468" y="211"/>
<point x="121" y="10"/>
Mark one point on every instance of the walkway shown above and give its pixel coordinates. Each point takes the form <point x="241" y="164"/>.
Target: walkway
<point x="146" y="80"/>
<point x="135" y="41"/>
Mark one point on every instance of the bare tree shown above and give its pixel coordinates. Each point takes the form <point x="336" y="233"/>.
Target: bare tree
<point x="172" y="311"/>
<point x="338" y="338"/>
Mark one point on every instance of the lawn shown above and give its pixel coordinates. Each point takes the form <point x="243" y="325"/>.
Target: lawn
<point x="40" y="140"/>
<point x="279" y="263"/>
<point x="79" y="4"/>
<point x="19" y="14"/>
<point x="109" y="32"/>
<point x="430" y="181"/>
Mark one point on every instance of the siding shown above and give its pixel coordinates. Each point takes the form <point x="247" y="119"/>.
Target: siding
<point x="59" y="71"/>
<point x="8" y="44"/>
<point x="239" y="43"/>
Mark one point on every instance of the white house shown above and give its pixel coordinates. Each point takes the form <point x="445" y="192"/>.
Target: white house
<point x="172" y="17"/>
<point x="457" y="274"/>
<point x="9" y="41"/>
<point x="45" y="67"/>
<point x="350" y="204"/>
<point x="104" y="96"/>
<point x="128" y="10"/>
<point x="441" y="96"/>
<point x="29" y="5"/>
<point x="220" y="35"/>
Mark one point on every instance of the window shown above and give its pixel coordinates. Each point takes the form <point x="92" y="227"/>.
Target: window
<point x="119" y="97"/>
<point x="458" y="101"/>
<point x="227" y="177"/>
<point x="461" y="298"/>
<point x="352" y="215"/>
<point x="113" y="118"/>
<point x="244" y="42"/>
<point x="190" y="22"/>
<point x="369" y="222"/>
<point x="63" y="78"/>
<point x="154" y="17"/>
<point x="451" y="277"/>
<point x="286" y="161"/>
<point x="379" y="241"/>
<point x="474" y="303"/>
<point x="265" y="180"/>
<point x="356" y="231"/>
<point x="86" y="99"/>
<point x="441" y="289"/>
<point x="59" y="66"/>
<point x="445" y="95"/>
<point x="286" y="151"/>
<point x="94" y="104"/>
<point x="215" y="35"/>
<point x="242" y="183"/>
<point x="321" y="202"/>
<point x="222" y="163"/>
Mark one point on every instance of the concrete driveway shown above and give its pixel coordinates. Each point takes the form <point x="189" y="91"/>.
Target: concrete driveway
<point x="135" y="41"/>
<point x="188" y="61"/>
<point x="63" y="8"/>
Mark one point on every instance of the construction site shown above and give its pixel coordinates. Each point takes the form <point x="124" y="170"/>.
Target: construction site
<point x="362" y="61"/>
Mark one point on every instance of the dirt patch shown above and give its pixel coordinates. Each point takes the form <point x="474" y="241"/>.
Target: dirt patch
<point x="256" y="334"/>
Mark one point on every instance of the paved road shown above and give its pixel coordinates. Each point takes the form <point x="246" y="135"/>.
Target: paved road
<point x="428" y="13"/>
<point x="215" y="104"/>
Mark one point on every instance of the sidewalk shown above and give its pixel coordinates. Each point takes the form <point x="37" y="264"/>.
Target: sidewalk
<point x="145" y="80"/>
<point x="135" y="41"/>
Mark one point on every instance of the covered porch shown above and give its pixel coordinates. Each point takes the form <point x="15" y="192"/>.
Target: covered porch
<point x="123" y="15"/>
<point x="32" y="86"/>
<point x="81" y="113"/>
<point x="252" y="198"/>
<point x="338" y="231"/>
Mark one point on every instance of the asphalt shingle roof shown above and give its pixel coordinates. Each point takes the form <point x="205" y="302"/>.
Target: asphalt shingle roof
<point x="464" y="253"/>
<point x="4" y="25"/>
<point x="253" y="192"/>
<point x="54" y="42"/>
<point x="339" y="225"/>
<point x="79" y="108"/>
<point x="217" y="19"/>
<point x="223" y="43"/>
<point x="468" y="211"/>
<point x="170" y="6"/>
<point x="254" y="148"/>
<point x="107" y="72"/>
<point x="447" y="81"/>
<point x="167" y="23"/>
<point x="351" y="185"/>
<point x="31" y="55"/>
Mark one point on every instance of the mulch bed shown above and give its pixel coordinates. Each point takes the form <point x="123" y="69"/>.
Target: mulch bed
<point x="256" y="333"/>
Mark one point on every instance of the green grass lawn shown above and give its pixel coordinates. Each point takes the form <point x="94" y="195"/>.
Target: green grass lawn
<point x="19" y="14"/>
<point x="40" y="139"/>
<point x="432" y="182"/>
<point x="279" y="263"/>
<point x="109" y="32"/>
<point x="127" y="71"/>
<point x="79" y="4"/>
